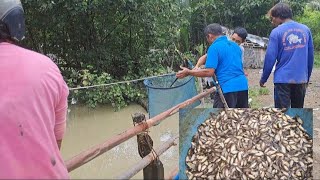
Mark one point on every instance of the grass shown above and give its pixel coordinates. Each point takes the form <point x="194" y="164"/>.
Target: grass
<point x="317" y="59"/>
<point x="264" y="91"/>
<point x="254" y="93"/>
<point x="254" y="104"/>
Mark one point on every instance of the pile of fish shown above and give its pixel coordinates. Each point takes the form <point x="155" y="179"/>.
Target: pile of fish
<point x="250" y="144"/>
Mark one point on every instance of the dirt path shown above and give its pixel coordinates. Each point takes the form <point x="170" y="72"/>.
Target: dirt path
<point x="312" y="100"/>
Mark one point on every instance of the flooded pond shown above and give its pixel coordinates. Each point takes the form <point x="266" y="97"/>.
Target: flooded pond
<point x="87" y="127"/>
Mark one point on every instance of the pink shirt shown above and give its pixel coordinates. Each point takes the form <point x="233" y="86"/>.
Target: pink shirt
<point x="33" y="107"/>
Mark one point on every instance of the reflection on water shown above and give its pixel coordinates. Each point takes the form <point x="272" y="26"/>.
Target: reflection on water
<point x="88" y="127"/>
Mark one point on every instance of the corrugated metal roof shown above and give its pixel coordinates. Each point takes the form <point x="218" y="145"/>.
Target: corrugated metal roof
<point x="256" y="41"/>
<point x="251" y="40"/>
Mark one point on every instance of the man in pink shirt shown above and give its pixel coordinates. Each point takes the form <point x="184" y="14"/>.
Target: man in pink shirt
<point x="33" y="105"/>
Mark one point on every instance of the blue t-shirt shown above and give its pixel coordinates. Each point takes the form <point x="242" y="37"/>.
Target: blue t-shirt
<point x="226" y="58"/>
<point x="291" y="48"/>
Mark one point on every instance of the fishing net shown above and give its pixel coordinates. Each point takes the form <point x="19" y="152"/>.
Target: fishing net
<point x="164" y="94"/>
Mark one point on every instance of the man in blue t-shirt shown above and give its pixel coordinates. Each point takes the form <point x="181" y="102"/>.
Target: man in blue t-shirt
<point x="238" y="36"/>
<point x="291" y="48"/>
<point x="224" y="58"/>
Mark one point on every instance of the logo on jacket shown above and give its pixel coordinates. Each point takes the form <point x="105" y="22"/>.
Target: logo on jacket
<point x="294" y="39"/>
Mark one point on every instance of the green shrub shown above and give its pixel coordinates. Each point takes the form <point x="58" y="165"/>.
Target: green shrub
<point x="264" y="91"/>
<point x="311" y="18"/>
<point x="118" y="95"/>
<point x="317" y="59"/>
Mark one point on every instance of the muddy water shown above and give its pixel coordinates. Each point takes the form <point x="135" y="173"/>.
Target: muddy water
<point x="87" y="127"/>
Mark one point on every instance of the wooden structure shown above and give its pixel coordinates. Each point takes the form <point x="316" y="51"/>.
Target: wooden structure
<point x="95" y="151"/>
<point x="154" y="169"/>
<point x="254" y="49"/>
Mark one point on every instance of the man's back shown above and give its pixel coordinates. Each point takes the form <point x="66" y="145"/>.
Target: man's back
<point x="32" y="115"/>
<point x="226" y="58"/>
<point x="290" y="42"/>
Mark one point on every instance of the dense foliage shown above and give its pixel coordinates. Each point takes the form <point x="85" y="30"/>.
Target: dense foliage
<point x="250" y="14"/>
<point x="101" y="41"/>
<point x="311" y="18"/>
<point x="104" y="41"/>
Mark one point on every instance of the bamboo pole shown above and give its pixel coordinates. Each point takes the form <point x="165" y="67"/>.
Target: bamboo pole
<point x="201" y="90"/>
<point x="148" y="159"/>
<point x="219" y="90"/>
<point x="95" y="151"/>
<point x="173" y="173"/>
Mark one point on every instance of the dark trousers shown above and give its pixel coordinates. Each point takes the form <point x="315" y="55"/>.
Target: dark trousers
<point x="237" y="99"/>
<point x="289" y="95"/>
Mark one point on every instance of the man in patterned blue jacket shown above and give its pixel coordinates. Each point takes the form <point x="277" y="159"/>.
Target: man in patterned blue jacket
<point x="291" y="48"/>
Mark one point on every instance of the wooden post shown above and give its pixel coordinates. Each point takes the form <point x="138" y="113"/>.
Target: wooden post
<point x="155" y="169"/>
<point x="148" y="159"/>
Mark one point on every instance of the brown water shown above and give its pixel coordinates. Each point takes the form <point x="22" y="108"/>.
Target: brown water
<point x="87" y="127"/>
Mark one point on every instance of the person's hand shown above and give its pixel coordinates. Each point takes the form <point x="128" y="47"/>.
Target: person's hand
<point x="262" y="84"/>
<point x="183" y="73"/>
<point x="246" y="74"/>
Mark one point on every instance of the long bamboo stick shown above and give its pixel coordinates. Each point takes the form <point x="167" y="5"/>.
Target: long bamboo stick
<point x="219" y="90"/>
<point x="148" y="159"/>
<point x="95" y="151"/>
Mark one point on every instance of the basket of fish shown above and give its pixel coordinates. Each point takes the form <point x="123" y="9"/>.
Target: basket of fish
<point x="247" y="144"/>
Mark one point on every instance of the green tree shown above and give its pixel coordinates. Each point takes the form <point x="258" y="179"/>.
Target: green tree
<point x="311" y="18"/>
<point x="250" y="14"/>
<point x="104" y="41"/>
<point x="95" y="39"/>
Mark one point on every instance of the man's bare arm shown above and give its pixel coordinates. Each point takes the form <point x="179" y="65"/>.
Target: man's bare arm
<point x="201" y="61"/>
<point x="195" y="72"/>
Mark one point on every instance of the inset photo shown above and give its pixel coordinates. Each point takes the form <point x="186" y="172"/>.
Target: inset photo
<point x="264" y="143"/>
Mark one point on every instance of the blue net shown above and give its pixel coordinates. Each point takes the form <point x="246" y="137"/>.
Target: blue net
<point x="164" y="94"/>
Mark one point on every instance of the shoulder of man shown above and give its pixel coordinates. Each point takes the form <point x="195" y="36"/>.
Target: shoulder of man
<point x="44" y="66"/>
<point x="276" y="32"/>
<point x="305" y="26"/>
<point x="236" y="45"/>
<point x="42" y="59"/>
